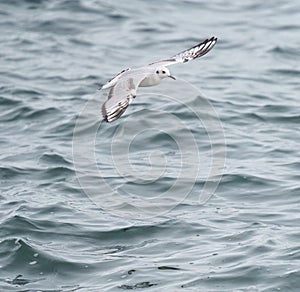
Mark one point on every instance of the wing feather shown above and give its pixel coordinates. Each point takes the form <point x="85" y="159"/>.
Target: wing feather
<point x="121" y="96"/>
<point x="190" y="54"/>
<point x="111" y="82"/>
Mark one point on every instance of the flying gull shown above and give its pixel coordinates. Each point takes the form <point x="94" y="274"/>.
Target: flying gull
<point x="123" y="87"/>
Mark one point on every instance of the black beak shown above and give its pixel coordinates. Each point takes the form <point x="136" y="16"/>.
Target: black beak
<point x="172" y="77"/>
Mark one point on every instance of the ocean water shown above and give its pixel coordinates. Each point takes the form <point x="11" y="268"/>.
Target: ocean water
<point x="88" y="206"/>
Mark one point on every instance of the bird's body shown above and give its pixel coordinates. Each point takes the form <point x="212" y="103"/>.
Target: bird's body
<point x="151" y="80"/>
<point x="123" y="86"/>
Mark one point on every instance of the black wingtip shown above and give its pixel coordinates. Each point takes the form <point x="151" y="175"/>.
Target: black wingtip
<point x="212" y="39"/>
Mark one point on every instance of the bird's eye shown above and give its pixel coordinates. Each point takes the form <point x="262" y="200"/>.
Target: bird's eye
<point x="163" y="72"/>
<point x="157" y="72"/>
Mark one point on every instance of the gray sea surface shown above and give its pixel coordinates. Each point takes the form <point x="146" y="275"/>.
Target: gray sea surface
<point x="56" y="236"/>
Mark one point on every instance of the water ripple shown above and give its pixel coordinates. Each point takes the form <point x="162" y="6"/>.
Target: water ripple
<point x="55" y="56"/>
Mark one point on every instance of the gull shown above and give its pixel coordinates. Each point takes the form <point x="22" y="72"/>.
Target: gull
<point x="123" y="87"/>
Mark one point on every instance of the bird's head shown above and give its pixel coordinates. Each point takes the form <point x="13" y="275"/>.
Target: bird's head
<point x="163" y="72"/>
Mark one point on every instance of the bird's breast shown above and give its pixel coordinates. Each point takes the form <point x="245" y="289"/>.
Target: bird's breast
<point x="150" y="81"/>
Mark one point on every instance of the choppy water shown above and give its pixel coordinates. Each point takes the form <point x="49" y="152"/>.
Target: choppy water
<point x="53" y="237"/>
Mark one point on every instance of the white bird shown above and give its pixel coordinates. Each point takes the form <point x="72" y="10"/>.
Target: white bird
<point x="124" y="85"/>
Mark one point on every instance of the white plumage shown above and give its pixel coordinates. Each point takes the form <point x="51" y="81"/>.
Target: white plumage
<point x="124" y="85"/>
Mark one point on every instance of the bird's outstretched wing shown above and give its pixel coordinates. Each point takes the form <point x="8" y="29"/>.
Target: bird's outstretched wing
<point x="121" y="96"/>
<point x="114" y="80"/>
<point x="190" y="54"/>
